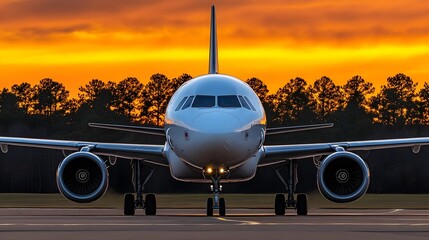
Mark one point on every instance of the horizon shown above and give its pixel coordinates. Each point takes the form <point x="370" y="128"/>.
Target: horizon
<point x="73" y="42"/>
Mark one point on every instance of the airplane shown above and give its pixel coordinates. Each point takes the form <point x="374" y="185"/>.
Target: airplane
<point x="215" y="129"/>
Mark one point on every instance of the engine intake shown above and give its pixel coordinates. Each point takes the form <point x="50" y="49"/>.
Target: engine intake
<point x="343" y="177"/>
<point x="82" y="177"/>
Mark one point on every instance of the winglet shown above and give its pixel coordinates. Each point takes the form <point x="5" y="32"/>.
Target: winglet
<point x="213" y="60"/>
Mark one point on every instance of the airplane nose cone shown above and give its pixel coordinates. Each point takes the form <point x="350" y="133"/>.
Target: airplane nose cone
<point x="216" y="122"/>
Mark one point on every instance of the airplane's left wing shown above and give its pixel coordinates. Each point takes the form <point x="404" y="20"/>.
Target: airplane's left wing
<point x="273" y="153"/>
<point x="152" y="153"/>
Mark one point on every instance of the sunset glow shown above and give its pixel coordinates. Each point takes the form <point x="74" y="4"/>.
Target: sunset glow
<point x="74" y="41"/>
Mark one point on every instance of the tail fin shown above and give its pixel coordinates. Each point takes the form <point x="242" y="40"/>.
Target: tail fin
<point x="213" y="64"/>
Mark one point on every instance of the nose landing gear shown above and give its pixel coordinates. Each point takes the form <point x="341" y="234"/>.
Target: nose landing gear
<point x="216" y="188"/>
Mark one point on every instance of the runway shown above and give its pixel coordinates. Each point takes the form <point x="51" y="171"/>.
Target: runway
<point x="188" y="224"/>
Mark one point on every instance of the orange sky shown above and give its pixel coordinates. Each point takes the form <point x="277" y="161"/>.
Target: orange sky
<point x="74" y="41"/>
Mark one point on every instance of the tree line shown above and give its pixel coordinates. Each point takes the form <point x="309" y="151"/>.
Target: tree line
<point x="398" y="103"/>
<point x="46" y="110"/>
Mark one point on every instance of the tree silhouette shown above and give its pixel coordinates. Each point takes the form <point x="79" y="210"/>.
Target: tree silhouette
<point x="259" y="87"/>
<point x="9" y="107"/>
<point x="396" y="103"/>
<point x="292" y="103"/>
<point x="97" y="110"/>
<point x="355" y="116"/>
<point x="326" y="97"/>
<point x="90" y="91"/>
<point x="126" y="97"/>
<point x="424" y="104"/>
<point x="50" y="97"/>
<point x="24" y="93"/>
<point x="154" y="98"/>
<point x="177" y="82"/>
<point x="261" y="91"/>
<point x="356" y="90"/>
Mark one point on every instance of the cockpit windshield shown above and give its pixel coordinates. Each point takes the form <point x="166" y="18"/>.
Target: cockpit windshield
<point x="229" y="101"/>
<point x="208" y="101"/>
<point x="204" y="101"/>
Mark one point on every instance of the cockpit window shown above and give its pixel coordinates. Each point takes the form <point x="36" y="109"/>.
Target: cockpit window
<point x="229" y="101"/>
<point x="181" y="103"/>
<point x="207" y="101"/>
<point x="204" y="101"/>
<point x="250" y="103"/>
<point x="244" y="103"/>
<point x="188" y="102"/>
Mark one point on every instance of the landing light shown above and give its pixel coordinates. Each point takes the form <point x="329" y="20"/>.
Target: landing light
<point x="214" y="170"/>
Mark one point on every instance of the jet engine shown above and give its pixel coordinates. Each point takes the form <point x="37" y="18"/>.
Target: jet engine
<point x="343" y="177"/>
<point x="82" y="177"/>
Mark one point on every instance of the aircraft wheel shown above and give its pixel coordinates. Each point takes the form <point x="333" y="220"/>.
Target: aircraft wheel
<point x="209" y="207"/>
<point x="279" y="204"/>
<point x="150" y="204"/>
<point x="129" y="204"/>
<point x="301" y="204"/>
<point x="222" y="207"/>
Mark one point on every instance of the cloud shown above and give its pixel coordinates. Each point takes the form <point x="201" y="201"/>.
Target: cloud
<point x="52" y="9"/>
<point x="246" y="22"/>
<point x="43" y="33"/>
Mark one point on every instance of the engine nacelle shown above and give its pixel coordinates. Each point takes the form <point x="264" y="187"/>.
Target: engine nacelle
<point x="343" y="177"/>
<point x="82" y="177"/>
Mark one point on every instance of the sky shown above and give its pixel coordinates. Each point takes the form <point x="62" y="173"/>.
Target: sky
<point x="74" y="41"/>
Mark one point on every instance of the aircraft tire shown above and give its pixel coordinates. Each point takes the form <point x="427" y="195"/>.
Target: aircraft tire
<point x="150" y="204"/>
<point x="129" y="204"/>
<point x="209" y="207"/>
<point x="301" y="204"/>
<point x="222" y="207"/>
<point x="279" y="204"/>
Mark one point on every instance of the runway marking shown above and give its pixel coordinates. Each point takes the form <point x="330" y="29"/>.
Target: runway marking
<point x="357" y="213"/>
<point x="395" y="211"/>
<point x="242" y="222"/>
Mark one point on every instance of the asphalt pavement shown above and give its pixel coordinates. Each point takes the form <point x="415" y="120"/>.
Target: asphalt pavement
<point x="29" y="223"/>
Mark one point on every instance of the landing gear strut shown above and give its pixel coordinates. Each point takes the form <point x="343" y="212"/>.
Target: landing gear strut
<point x="130" y="202"/>
<point x="216" y="188"/>
<point x="281" y="203"/>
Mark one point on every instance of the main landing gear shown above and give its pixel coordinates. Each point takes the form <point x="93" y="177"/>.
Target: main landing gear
<point x="281" y="203"/>
<point x="216" y="188"/>
<point x="130" y="202"/>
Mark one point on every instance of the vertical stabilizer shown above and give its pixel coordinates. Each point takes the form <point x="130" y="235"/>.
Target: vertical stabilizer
<point x="213" y="62"/>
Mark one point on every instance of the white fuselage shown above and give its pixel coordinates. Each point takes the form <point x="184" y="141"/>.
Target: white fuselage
<point x="214" y="121"/>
